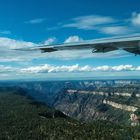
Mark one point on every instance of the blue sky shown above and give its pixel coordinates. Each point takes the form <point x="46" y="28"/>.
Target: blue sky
<point x="31" y="23"/>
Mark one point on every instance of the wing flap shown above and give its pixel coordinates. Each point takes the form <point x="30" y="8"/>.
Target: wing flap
<point x="43" y="50"/>
<point x="66" y="47"/>
<point x="136" y="51"/>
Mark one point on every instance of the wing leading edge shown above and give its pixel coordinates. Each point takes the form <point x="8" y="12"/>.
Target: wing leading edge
<point x="130" y="44"/>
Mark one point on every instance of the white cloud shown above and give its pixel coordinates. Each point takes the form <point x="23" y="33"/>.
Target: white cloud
<point x="14" y="44"/>
<point x="76" y="68"/>
<point x="7" y="69"/>
<point x="135" y="19"/>
<point x="115" y="30"/>
<point x="66" y="71"/>
<point x="35" y="21"/>
<point x="84" y="54"/>
<point x="50" y="40"/>
<point x="9" y="55"/>
<point x="104" y="24"/>
<point x="73" y="39"/>
<point x="124" y="67"/>
<point x="102" y="68"/>
<point x="89" y="22"/>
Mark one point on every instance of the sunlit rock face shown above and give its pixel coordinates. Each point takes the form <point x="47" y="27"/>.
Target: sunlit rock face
<point x="134" y="119"/>
<point x="121" y="106"/>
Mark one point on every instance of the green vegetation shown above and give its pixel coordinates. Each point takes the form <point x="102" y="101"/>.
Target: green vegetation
<point x="22" y="118"/>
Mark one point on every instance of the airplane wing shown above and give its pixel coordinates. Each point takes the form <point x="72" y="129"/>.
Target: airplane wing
<point x="130" y="44"/>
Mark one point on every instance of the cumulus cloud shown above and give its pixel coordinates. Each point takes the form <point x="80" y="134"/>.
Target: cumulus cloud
<point x="62" y="71"/>
<point x="73" y="39"/>
<point x="14" y="44"/>
<point x="35" y="21"/>
<point x="88" y="22"/>
<point x="9" y="54"/>
<point x="76" y="68"/>
<point x="50" y="40"/>
<point x="135" y="19"/>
